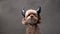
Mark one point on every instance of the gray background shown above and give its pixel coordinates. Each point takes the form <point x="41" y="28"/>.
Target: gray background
<point x="10" y="16"/>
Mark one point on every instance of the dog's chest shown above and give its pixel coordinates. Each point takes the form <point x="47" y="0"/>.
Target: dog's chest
<point x="33" y="30"/>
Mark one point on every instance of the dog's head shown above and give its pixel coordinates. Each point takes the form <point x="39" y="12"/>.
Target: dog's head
<point x="31" y="16"/>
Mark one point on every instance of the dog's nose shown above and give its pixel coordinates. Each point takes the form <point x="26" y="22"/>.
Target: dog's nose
<point x="31" y="16"/>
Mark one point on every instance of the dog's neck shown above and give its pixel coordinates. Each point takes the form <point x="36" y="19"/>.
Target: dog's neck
<point x="32" y="29"/>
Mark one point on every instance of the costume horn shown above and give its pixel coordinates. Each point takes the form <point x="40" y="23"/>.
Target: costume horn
<point x="23" y="12"/>
<point x="38" y="10"/>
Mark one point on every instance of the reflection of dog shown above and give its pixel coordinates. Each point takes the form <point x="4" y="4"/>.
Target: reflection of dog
<point x="31" y="16"/>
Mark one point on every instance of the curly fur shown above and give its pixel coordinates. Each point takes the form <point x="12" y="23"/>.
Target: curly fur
<point x="31" y="20"/>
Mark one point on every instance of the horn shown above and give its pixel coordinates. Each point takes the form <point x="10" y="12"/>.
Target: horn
<point x="23" y="12"/>
<point x="38" y="10"/>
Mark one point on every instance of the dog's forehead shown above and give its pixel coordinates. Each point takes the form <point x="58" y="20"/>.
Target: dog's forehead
<point x="30" y="11"/>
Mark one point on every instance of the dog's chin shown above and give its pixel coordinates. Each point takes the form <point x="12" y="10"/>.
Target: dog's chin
<point x="32" y="20"/>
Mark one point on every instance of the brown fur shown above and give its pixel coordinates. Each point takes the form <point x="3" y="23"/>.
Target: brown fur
<point x="25" y="20"/>
<point x="32" y="28"/>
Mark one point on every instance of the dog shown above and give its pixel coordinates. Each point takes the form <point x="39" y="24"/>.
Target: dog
<point x="31" y="16"/>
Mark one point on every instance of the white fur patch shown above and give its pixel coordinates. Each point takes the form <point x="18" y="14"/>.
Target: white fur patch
<point x="30" y="11"/>
<point x="28" y="17"/>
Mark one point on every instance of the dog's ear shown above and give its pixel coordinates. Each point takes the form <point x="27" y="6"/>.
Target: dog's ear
<point x="38" y="10"/>
<point x="23" y="12"/>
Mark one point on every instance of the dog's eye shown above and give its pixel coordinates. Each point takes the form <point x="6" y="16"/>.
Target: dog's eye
<point x="35" y="15"/>
<point x="28" y="15"/>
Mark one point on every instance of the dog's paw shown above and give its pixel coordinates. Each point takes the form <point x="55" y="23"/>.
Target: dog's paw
<point x="24" y="21"/>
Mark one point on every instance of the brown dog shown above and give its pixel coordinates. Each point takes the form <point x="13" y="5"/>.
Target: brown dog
<point x="31" y="19"/>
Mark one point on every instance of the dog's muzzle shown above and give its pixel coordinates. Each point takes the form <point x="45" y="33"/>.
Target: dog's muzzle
<point x="32" y="20"/>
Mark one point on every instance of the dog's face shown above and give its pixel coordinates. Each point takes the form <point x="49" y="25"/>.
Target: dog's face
<point x="30" y="17"/>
